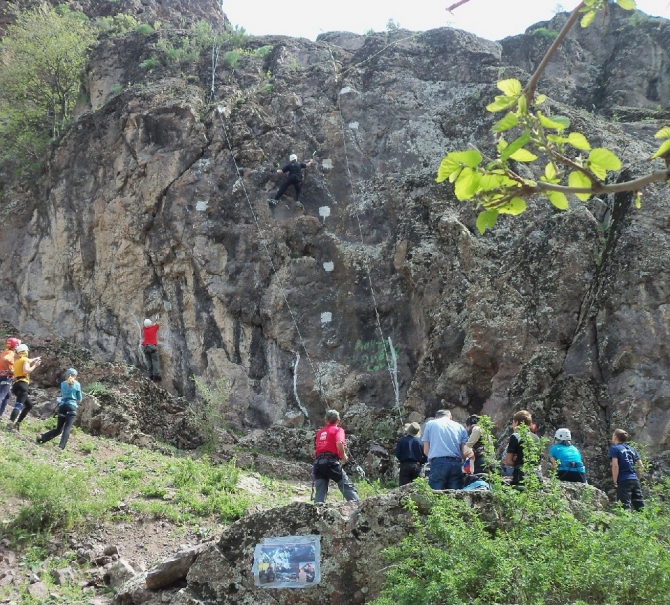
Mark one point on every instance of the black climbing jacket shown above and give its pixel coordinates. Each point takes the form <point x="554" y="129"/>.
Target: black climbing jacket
<point x="294" y="171"/>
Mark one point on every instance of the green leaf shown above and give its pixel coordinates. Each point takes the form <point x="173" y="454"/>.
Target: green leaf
<point x="523" y="105"/>
<point x="447" y="167"/>
<point x="557" y="138"/>
<point x="604" y="158"/>
<point x="550" y="171"/>
<point x="453" y="163"/>
<point x="540" y="99"/>
<point x="467" y="184"/>
<point x="555" y="123"/>
<point x="580" y="181"/>
<point x="662" y="150"/>
<point x="638" y="200"/>
<point x="663" y="133"/>
<point x="471" y="158"/>
<point x="492" y="181"/>
<point x="558" y="199"/>
<point x="578" y="140"/>
<point x="511" y="87"/>
<point x="486" y="220"/>
<point x="454" y="175"/>
<point x="509" y="121"/>
<point x="523" y="155"/>
<point x="588" y="18"/>
<point x="514" y="146"/>
<point x="501" y="103"/>
<point x="628" y="5"/>
<point x="514" y="207"/>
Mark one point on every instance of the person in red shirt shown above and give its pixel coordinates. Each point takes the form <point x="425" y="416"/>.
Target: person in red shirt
<point x="329" y="456"/>
<point x="150" y="349"/>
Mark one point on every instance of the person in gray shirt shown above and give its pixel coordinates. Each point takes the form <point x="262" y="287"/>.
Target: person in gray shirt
<point x="444" y="443"/>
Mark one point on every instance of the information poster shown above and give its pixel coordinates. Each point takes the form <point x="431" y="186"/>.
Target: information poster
<point x="288" y="562"/>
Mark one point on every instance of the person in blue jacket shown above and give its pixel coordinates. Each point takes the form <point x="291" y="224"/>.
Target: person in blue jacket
<point x="566" y="458"/>
<point x="409" y="452"/>
<point x="67" y="409"/>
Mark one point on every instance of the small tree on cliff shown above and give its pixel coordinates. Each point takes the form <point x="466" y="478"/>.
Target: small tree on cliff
<point x="43" y="55"/>
<point x="528" y="134"/>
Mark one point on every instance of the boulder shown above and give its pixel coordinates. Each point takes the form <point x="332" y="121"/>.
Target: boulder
<point x="38" y="590"/>
<point x="173" y="569"/>
<point x="62" y="577"/>
<point x="118" y="573"/>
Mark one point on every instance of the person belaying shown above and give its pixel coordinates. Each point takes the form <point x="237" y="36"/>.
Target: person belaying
<point x="67" y="409"/>
<point x="293" y="171"/>
<point x="566" y="458"/>
<point x="150" y="349"/>
<point x="329" y="455"/>
<point x="23" y="367"/>
<point x="625" y="458"/>
<point x="409" y="452"/>
<point x="7" y="358"/>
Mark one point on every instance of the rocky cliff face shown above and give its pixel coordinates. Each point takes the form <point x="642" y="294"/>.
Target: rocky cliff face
<point x="143" y="211"/>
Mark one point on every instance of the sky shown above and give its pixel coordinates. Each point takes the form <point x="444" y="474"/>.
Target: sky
<point x="492" y="19"/>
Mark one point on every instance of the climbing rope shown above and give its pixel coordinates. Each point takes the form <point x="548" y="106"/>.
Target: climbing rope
<point x="272" y="265"/>
<point x="392" y="374"/>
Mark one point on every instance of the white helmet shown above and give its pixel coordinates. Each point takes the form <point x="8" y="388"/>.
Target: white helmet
<point x="563" y="435"/>
<point x="293" y="157"/>
<point x="147" y="323"/>
<point x="22" y="349"/>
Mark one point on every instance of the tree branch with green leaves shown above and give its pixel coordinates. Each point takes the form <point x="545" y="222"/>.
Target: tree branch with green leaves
<point x="572" y="165"/>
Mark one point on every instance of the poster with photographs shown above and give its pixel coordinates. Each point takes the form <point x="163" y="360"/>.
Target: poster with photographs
<point x="288" y="562"/>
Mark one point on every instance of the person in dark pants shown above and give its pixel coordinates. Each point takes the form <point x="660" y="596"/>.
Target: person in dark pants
<point x="409" y="452"/>
<point x="7" y="358"/>
<point x="293" y="171"/>
<point x="67" y="409"/>
<point x="566" y="458"/>
<point x="23" y="366"/>
<point x="624" y="459"/>
<point x="444" y="443"/>
<point x="329" y="456"/>
<point x="150" y="349"/>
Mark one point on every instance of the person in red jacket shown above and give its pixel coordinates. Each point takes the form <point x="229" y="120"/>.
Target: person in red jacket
<point x="329" y="456"/>
<point x="150" y="349"/>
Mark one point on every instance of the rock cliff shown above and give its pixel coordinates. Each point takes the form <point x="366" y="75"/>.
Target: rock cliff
<point x="143" y="210"/>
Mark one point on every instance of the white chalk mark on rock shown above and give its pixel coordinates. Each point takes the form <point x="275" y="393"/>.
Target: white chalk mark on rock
<point x="201" y="205"/>
<point x="345" y="90"/>
<point x="353" y="125"/>
<point x="326" y="317"/>
<point x="295" y="386"/>
<point x="324" y="211"/>
<point x="329" y="266"/>
<point x="327" y="164"/>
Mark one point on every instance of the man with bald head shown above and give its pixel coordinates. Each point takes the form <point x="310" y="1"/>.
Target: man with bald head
<point x="444" y="443"/>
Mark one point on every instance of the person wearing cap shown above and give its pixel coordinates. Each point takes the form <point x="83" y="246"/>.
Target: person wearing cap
<point x="293" y="171"/>
<point x="7" y="358"/>
<point x="515" y="452"/>
<point x="23" y="367"/>
<point x="329" y="456"/>
<point x="566" y="458"/>
<point x="409" y="452"/>
<point x="67" y="409"/>
<point x="444" y="443"/>
<point x="150" y="349"/>
<point x="627" y="468"/>
<point x="476" y="444"/>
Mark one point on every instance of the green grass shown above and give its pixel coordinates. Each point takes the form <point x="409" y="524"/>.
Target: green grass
<point x="97" y="388"/>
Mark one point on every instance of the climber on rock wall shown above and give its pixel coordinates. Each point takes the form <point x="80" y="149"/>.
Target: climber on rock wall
<point x="150" y="349"/>
<point x="23" y="366"/>
<point x="293" y="171"/>
<point x="7" y="358"/>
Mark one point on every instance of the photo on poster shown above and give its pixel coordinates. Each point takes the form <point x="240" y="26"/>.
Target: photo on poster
<point x="288" y="562"/>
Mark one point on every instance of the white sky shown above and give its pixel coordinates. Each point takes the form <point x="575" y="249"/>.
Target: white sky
<point x="492" y="19"/>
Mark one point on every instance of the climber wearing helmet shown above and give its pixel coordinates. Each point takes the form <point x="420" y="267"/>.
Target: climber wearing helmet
<point x="23" y="367"/>
<point x="7" y="358"/>
<point x="566" y="458"/>
<point x="150" y="349"/>
<point x="293" y="170"/>
<point x="67" y="409"/>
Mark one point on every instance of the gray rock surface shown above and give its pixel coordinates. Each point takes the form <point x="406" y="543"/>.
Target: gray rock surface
<point x="142" y="212"/>
<point x="174" y="568"/>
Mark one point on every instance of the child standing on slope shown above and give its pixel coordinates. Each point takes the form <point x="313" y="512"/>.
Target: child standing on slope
<point x="7" y="358"/>
<point x="67" y="409"/>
